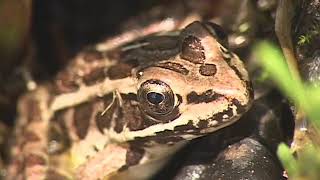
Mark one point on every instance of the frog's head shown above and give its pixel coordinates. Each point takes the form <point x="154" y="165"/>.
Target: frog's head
<point x="201" y="89"/>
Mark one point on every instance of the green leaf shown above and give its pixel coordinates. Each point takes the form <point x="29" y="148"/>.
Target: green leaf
<point x="287" y="159"/>
<point x="304" y="96"/>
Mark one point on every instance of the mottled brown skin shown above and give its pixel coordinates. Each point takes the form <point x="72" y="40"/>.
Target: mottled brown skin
<point x="123" y="117"/>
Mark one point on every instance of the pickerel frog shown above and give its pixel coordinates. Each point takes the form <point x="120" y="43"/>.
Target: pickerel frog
<point x="121" y="114"/>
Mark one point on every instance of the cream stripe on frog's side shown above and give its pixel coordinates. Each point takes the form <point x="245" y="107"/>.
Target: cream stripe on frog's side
<point x="126" y="85"/>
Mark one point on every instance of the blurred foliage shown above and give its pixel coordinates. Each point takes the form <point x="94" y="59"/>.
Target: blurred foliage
<point x="307" y="163"/>
<point x="305" y="167"/>
<point x="14" y="22"/>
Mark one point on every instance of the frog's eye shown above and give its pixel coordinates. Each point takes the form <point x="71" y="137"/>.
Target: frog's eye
<point x="156" y="98"/>
<point x="217" y="32"/>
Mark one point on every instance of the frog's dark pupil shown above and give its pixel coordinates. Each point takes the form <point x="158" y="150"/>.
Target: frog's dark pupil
<point x="155" y="98"/>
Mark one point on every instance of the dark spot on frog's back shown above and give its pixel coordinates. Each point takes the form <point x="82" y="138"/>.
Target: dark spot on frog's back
<point x="205" y="97"/>
<point x="151" y="49"/>
<point x="65" y="83"/>
<point x="96" y="76"/>
<point x="208" y="69"/>
<point x="119" y="71"/>
<point x="192" y="50"/>
<point x="176" y="67"/>
<point x="81" y="121"/>
<point x="162" y="43"/>
<point x="92" y="55"/>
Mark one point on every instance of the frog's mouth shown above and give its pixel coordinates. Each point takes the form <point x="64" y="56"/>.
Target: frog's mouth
<point x="169" y="133"/>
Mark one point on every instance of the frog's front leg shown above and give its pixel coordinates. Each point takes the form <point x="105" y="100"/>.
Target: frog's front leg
<point x="104" y="164"/>
<point x="29" y="158"/>
<point x="121" y="162"/>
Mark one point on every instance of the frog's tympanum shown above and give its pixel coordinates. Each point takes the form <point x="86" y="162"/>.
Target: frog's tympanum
<point x="121" y="114"/>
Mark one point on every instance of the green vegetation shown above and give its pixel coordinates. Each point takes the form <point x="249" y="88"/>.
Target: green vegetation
<point x="309" y="36"/>
<point x="306" y="97"/>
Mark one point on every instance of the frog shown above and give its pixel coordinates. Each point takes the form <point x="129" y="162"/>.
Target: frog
<point x="123" y="113"/>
